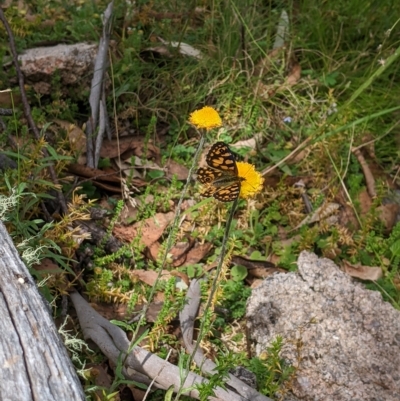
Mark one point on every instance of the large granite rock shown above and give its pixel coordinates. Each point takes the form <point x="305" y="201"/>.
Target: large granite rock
<point x="350" y="337"/>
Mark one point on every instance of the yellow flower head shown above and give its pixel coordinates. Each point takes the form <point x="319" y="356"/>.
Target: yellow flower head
<point x="252" y="181"/>
<point x="207" y="118"/>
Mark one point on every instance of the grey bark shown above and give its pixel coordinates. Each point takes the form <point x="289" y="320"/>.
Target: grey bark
<point x="34" y="364"/>
<point x="98" y="118"/>
<point x="138" y="364"/>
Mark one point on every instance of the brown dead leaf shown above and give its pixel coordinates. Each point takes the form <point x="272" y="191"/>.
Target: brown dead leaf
<point x="149" y="277"/>
<point x="131" y="209"/>
<point x="153" y="251"/>
<point x="264" y="91"/>
<point x="294" y="76"/>
<point x="93" y="173"/>
<point x="112" y="311"/>
<point x="179" y="252"/>
<point x="152" y="311"/>
<point x="127" y="147"/>
<point x="184" y="277"/>
<point x="183" y="254"/>
<point x="211" y="266"/>
<point x="259" y="272"/>
<point x="174" y="168"/>
<point x="186" y="204"/>
<point x="248" y="143"/>
<point x="101" y="378"/>
<point x="388" y="214"/>
<point x="257" y="268"/>
<point x="9" y="99"/>
<point x="108" y="187"/>
<point x="107" y="179"/>
<point x="362" y="272"/>
<point x="124" y="233"/>
<point x="196" y="254"/>
<point x="274" y="258"/>
<point x="250" y="264"/>
<point x="396" y="282"/>
<point x="127" y="169"/>
<point x="76" y="137"/>
<point x="46" y="265"/>
<point x="347" y="217"/>
<point x="149" y="230"/>
<point x="137" y="393"/>
<point x="256" y="283"/>
<point x="156" y="52"/>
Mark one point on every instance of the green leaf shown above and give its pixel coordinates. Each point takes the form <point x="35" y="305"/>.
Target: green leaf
<point x="191" y="271"/>
<point x="169" y="393"/>
<point x="256" y="255"/>
<point x="238" y="273"/>
<point x="155" y="174"/>
<point x="395" y="248"/>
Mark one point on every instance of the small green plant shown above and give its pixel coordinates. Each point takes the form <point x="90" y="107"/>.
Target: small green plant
<point x="234" y="297"/>
<point x="271" y="370"/>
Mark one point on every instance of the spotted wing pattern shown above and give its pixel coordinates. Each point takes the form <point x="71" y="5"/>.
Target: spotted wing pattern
<point x="221" y="177"/>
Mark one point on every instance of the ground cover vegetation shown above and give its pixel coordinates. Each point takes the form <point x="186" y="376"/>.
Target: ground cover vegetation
<point x="303" y="95"/>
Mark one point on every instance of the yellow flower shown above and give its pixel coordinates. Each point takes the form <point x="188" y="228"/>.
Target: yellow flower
<point x="252" y="181"/>
<point x="207" y="118"/>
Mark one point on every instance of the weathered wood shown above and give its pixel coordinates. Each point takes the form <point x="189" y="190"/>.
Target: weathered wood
<point x="34" y="364"/>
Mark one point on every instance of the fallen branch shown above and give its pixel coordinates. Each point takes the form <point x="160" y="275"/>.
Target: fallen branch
<point x="140" y="365"/>
<point x="98" y="121"/>
<point x="34" y="362"/>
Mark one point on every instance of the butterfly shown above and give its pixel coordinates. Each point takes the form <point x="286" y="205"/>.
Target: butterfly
<point x="221" y="177"/>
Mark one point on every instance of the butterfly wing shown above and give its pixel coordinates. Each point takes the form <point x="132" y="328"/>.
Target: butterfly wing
<point x="221" y="158"/>
<point x="227" y="193"/>
<point x="221" y="177"/>
<point x="207" y="175"/>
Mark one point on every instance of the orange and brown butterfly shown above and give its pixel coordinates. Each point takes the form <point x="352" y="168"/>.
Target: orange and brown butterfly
<point x="221" y="177"/>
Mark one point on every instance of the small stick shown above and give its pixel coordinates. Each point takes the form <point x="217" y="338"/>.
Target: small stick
<point x="369" y="178"/>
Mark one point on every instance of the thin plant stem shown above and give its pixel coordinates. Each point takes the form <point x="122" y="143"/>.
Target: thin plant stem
<point x="213" y="290"/>
<point x="171" y="236"/>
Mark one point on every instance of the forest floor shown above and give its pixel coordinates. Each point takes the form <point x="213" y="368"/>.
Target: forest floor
<point x="296" y="101"/>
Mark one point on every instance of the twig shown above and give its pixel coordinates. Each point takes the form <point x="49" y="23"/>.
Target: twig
<point x="369" y="178"/>
<point x="27" y="108"/>
<point x="98" y="118"/>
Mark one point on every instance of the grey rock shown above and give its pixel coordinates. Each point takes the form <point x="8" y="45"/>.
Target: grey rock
<point x="350" y="337"/>
<point x="74" y="64"/>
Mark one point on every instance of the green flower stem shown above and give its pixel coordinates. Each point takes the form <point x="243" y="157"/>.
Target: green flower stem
<point x="171" y="237"/>
<point x="215" y="282"/>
